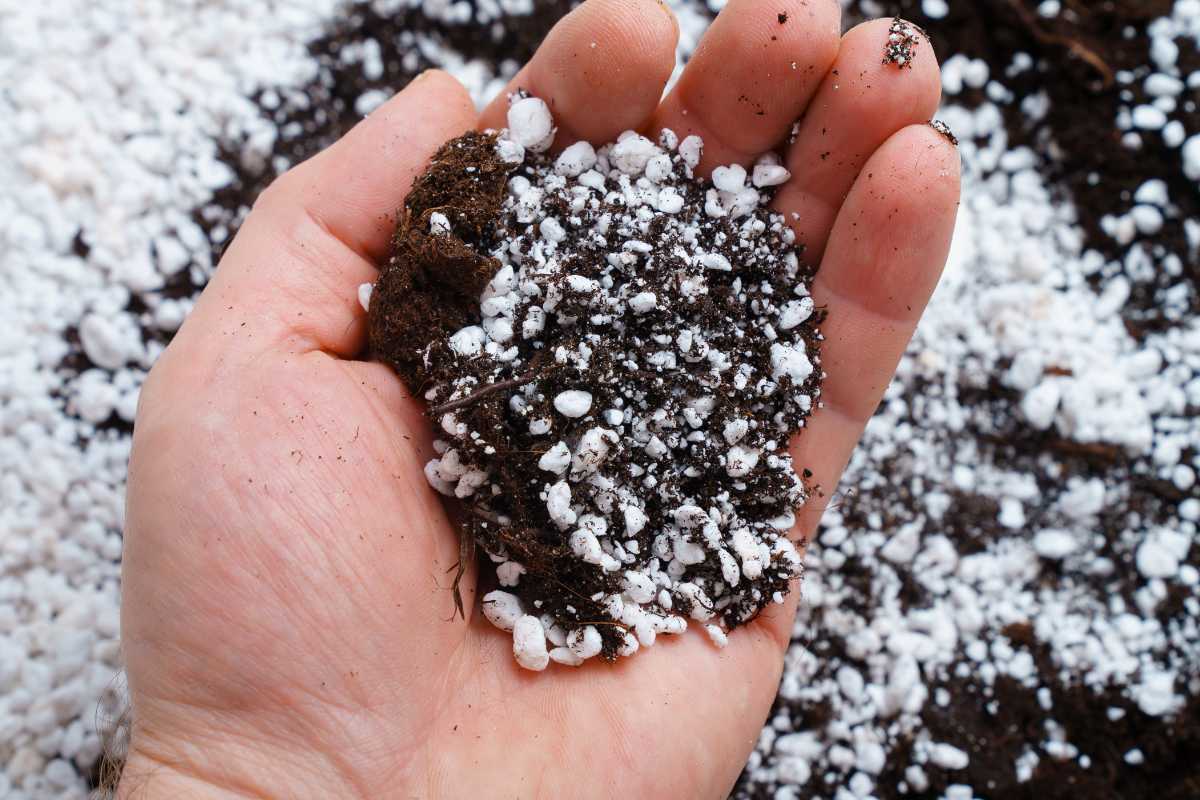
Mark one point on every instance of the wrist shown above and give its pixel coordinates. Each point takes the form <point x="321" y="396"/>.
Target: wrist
<point x="207" y="764"/>
<point x="145" y="777"/>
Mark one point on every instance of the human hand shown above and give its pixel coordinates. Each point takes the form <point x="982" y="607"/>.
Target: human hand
<point x="287" y="615"/>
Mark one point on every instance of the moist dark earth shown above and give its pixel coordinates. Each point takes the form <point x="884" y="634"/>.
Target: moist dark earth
<point x="1077" y="57"/>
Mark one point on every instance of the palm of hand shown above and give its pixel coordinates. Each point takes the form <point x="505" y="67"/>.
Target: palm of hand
<point x="287" y="618"/>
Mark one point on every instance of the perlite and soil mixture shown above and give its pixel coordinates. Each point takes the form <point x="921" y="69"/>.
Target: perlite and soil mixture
<point x="1004" y="604"/>
<point x="615" y="355"/>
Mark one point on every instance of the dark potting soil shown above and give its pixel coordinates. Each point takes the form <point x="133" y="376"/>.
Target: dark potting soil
<point x="430" y="286"/>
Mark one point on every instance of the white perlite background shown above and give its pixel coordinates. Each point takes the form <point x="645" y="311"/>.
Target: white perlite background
<point x="120" y="129"/>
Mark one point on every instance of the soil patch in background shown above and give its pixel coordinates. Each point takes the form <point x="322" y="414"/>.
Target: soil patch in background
<point x="1079" y="56"/>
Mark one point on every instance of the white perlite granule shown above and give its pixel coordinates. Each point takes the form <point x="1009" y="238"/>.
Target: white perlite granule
<point x="634" y="208"/>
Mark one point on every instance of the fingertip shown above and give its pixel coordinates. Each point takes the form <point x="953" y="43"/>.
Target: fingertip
<point x="927" y="165"/>
<point x="601" y="69"/>
<point x="674" y="20"/>
<point x="891" y="237"/>
<point x="662" y="41"/>
<point x="913" y="90"/>
<point x="446" y="91"/>
<point x="611" y="65"/>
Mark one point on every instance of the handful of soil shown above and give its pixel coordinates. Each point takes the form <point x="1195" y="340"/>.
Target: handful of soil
<point x="615" y="354"/>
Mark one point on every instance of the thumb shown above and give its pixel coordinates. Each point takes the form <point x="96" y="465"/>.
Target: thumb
<point x="319" y="230"/>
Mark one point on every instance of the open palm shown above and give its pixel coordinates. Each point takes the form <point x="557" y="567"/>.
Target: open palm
<point x="287" y="618"/>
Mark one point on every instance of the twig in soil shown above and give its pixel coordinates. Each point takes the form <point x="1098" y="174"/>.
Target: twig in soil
<point x="1073" y="46"/>
<point x="483" y="391"/>
<point x="466" y="554"/>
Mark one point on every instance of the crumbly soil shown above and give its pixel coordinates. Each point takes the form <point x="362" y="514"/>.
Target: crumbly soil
<point x="430" y="285"/>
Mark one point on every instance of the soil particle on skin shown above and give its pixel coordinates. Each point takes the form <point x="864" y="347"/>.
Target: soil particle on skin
<point x="944" y="130"/>
<point x="615" y="380"/>
<point x="902" y="42"/>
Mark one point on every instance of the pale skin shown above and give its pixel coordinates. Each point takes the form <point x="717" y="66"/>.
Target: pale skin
<point x="287" y="620"/>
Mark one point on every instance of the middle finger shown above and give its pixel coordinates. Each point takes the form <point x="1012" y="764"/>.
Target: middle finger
<point x="752" y="76"/>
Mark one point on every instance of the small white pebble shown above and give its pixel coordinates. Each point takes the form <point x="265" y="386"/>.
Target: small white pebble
<point x="948" y="756"/>
<point x="556" y="459"/>
<point x="1191" y="158"/>
<point x="670" y="201"/>
<point x="530" y="124"/>
<point x="787" y="360"/>
<point x="690" y="150"/>
<point x="638" y="587"/>
<point x="635" y="520"/>
<point x="795" y="312"/>
<point x="729" y="179"/>
<point x="558" y="505"/>
<point x="468" y="341"/>
<point x="529" y="643"/>
<point x="1154" y="560"/>
<point x="658" y="168"/>
<point x="585" y="642"/>
<point x="735" y="429"/>
<point x="716" y="635"/>
<point x="1148" y="118"/>
<point x="716" y="261"/>
<point x="769" y="175"/>
<point x="552" y="230"/>
<point x="631" y="154"/>
<point x="1054" y="544"/>
<point x="575" y="160"/>
<point x="573" y="403"/>
<point x="501" y="609"/>
<point x="741" y="461"/>
<point x="564" y="656"/>
<point x="643" y="302"/>
<point x="586" y="546"/>
<point x="510" y="152"/>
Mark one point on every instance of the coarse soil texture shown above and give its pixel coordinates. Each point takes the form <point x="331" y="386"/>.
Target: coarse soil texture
<point x="615" y="355"/>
